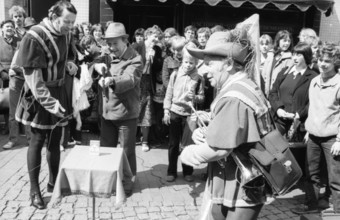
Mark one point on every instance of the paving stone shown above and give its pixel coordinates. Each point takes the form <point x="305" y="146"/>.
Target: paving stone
<point x="155" y="215"/>
<point x="118" y="215"/>
<point x="153" y="209"/>
<point x="143" y="216"/>
<point x="80" y="217"/>
<point x="7" y="216"/>
<point x="141" y="210"/>
<point x="24" y="216"/>
<point x="67" y="217"/>
<point x="167" y="209"/>
<point x="53" y="217"/>
<point x="129" y="213"/>
<point x="38" y="216"/>
<point x="105" y="216"/>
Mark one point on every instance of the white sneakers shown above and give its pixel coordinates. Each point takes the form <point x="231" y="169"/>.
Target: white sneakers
<point x="145" y="147"/>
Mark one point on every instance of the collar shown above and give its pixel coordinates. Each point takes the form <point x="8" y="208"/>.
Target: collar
<point x="182" y="73"/>
<point x="295" y="72"/>
<point x="332" y="81"/>
<point x="48" y="24"/>
<point x="233" y="78"/>
<point x="126" y="55"/>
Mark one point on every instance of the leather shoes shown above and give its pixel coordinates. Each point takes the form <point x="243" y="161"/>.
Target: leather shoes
<point x="304" y="209"/>
<point x="37" y="201"/>
<point x="50" y="187"/>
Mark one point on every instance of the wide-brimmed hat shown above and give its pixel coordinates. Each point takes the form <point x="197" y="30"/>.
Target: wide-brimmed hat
<point x="29" y="22"/>
<point x="219" y="44"/>
<point x="115" y="30"/>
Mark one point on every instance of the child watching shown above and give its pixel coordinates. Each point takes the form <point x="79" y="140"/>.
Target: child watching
<point x="190" y="33"/>
<point x="172" y="63"/>
<point x="185" y="87"/>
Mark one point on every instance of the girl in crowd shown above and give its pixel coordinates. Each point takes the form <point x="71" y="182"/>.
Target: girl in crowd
<point x="138" y="37"/>
<point x="280" y="59"/>
<point x="180" y="95"/>
<point x="266" y="45"/>
<point x="289" y="95"/>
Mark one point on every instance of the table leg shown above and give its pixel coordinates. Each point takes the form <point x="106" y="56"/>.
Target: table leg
<point x="93" y="207"/>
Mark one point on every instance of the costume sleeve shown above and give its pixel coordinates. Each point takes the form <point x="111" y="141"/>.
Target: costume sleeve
<point x="35" y="82"/>
<point x="131" y="76"/>
<point x="234" y="124"/>
<point x="31" y="53"/>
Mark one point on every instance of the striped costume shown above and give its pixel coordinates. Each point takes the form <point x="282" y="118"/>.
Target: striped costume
<point x="45" y="49"/>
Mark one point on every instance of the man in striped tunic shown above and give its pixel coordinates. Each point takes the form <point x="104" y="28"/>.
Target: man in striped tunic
<point x="44" y="105"/>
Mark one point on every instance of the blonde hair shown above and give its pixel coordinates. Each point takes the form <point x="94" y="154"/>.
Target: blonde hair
<point x="177" y="41"/>
<point x="16" y="9"/>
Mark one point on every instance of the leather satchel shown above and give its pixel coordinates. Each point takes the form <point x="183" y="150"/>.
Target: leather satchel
<point x="4" y="97"/>
<point x="276" y="162"/>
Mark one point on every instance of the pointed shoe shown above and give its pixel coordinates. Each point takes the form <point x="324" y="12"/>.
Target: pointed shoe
<point x="37" y="201"/>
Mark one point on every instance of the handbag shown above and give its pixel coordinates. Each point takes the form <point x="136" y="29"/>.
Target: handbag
<point x="271" y="155"/>
<point x="4" y="97"/>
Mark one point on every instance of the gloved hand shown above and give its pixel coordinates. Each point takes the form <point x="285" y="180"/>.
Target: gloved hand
<point x="72" y="68"/>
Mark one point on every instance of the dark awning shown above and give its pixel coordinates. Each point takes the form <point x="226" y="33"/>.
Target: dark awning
<point x="303" y="5"/>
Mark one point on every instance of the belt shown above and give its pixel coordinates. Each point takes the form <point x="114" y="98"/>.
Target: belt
<point x="55" y="83"/>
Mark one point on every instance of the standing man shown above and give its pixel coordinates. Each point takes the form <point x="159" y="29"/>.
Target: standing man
<point x="121" y="94"/>
<point x="44" y="105"/>
<point x="16" y="82"/>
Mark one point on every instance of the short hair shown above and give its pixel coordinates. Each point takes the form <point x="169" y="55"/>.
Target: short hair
<point x="310" y="34"/>
<point x="205" y="30"/>
<point x="139" y="31"/>
<point x="217" y="28"/>
<point x="6" y="22"/>
<point x="171" y="31"/>
<point x="177" y="41"/>
<point x="190" y="28"/>
<point x="16" y="9"/>
<point x="283" y="34"/>
<point x="87" y="40"/>
<point x="187" y="54"/>
<point x="97" y="27"/>
<point x="59" y="7"/>
<point x="152" y="30"/>
<point x="265" y="38"/>
<point x="330" y="49"/>
<point x="306" y="51"/>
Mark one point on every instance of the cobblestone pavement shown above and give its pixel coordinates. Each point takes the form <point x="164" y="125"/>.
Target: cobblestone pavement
<point x="153" y="197"/>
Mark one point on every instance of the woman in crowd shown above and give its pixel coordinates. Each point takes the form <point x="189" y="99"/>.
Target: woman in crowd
<point x="152" y="58"/>
<point x="289" y="95"/>
<point x="233" y="126"/>
<point x="8" y="46"/>
<point x="168" y="34"/>
<point x="97" y="32"/>
<point x="322" y="125"/>
<point x="279" y="60"/>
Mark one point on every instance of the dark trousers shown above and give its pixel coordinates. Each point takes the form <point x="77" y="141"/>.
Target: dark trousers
<point x="15" y="86"/>
<point x="316" y="147"/>
<point x="125" y="132"/>
<point x="177" y="123"/>
<point x="220" y="212"/>
<point x="37" y="141"/>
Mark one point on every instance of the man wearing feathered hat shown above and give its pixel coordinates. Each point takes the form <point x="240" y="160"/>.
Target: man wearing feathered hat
<point x="233" y="125"/>
<point x="121" y="91"/>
